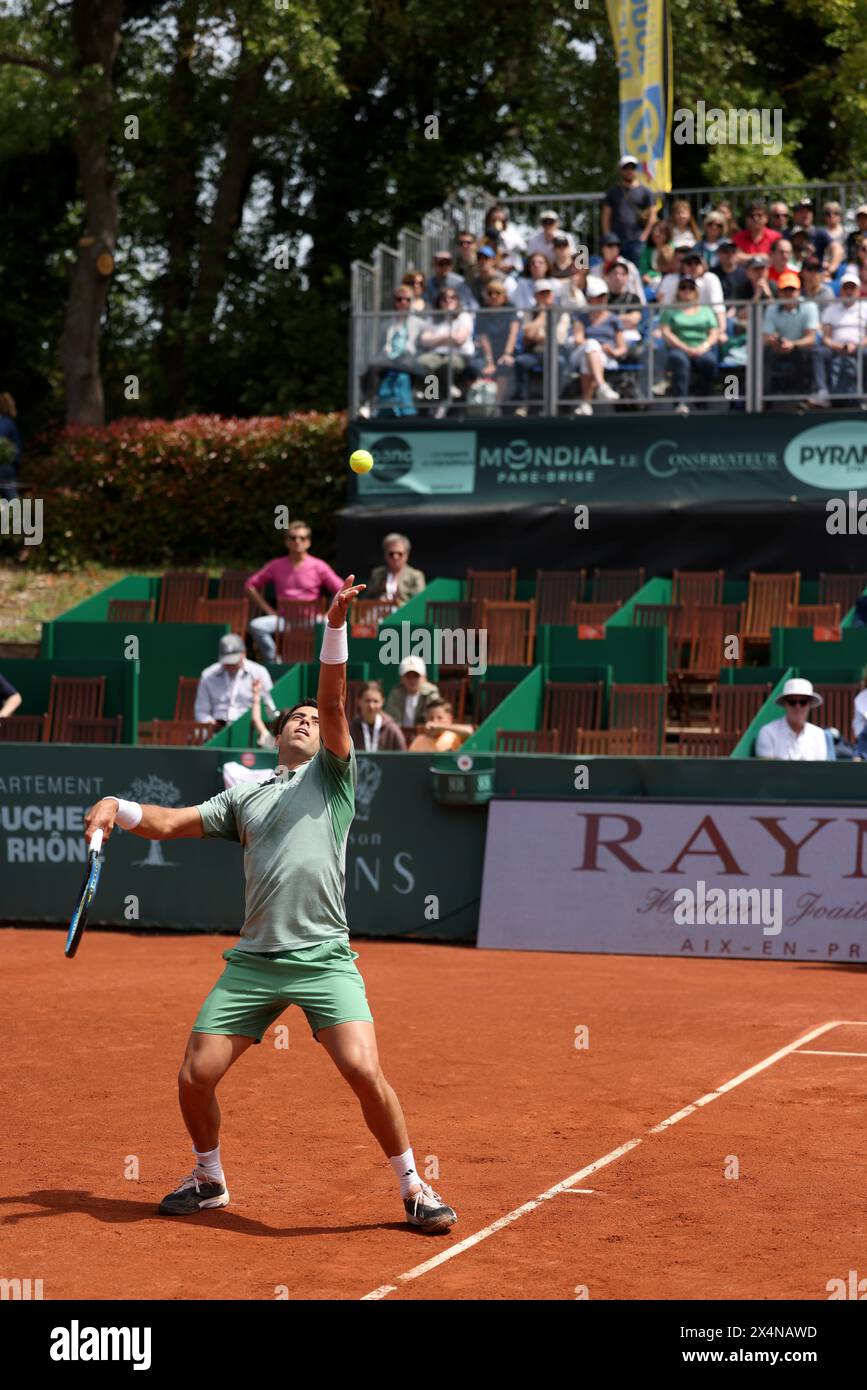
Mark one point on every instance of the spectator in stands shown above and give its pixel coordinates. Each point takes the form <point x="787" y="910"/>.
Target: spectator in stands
<point x="448" y="348"/>
<point x="860" y="231"/>
<point x="497" y="337"/>
<point x="549" y="228"/>
<point x="562" y="260"/>
<point x="440" y="734"/>
<point x="497" y="226"/>
<point x="793" y="738"/>
<point x="789" y="332"/>
<point x="416" y="283"/>
<point x="484" y="273"/>
<point x="600" y="265"/>
<point x="573" y="296"/>
<point x="801" y="248"/>
<point x="813" y="286"/>
<point x="684" y="231"/>
<point x="780" y="261"/>
<point x="225" y="690"/>
<point x="371" y="729"/>
<point x="10" y="454"/>
<point x="802" y="216"/>
<point x="408" y="701"/>
<point x="444" y="277"/>
<point x="396" y="580"/>
<point x="832" y="216"/>
<point x="10" y="699"/>
<point x="729" y="222"/>
<point x="709" y="288"/>
<point x="859" y="720"/>
<point x="536" y="267"/>
<point x="466" y="261"/>
<point x="600" y="346"/>
<point x="629" y="209"/>
<point x="858" y="267"/>
<point x="732" y="277"/>
<point x="505" y="270"/>
<point x="397" y="355"/>
<point x="297" y="575"/>
<point x="266" y="736"/>
<point x="778" y="215"/>
<point x="657" y="256"/>
<point x="757" y="274"/>
<point x="757" y="238"/>
<point x="712" y="237"/>
<point x="534" y="330"/>
<point x="690" y="333"/>
<point x="844" y="330"/>
<point x="625" y="301"/>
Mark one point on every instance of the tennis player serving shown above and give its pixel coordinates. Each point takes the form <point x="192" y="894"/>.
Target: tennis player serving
<point x="294" y="945"/>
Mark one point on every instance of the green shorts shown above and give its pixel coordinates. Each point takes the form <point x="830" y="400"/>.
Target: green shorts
<point x="254" y="989"/>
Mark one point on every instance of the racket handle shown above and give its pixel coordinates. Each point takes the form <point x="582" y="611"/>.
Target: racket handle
<point x="96" y="842"/>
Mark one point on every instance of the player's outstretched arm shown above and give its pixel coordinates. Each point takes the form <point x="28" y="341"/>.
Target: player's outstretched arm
<point x="154" y="822"/>
<point x="331" y="695"/>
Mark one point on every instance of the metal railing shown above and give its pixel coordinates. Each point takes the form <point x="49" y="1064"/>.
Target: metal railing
<point x="580" y="214"/>
<point x="430" y="378"/>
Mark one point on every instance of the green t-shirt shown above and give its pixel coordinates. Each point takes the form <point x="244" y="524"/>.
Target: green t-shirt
<point x="294" y="831"/>
<point x="691" y="329"/>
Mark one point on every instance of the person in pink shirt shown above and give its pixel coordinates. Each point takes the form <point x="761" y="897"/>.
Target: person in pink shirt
<point x="297" y="575"/>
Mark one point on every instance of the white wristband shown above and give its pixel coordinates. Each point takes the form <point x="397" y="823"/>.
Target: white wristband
<point x="335" y="646"/>
<point x="129" y="813"/>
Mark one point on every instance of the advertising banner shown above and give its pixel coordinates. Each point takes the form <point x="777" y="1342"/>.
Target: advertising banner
<point x="642" y="39"/>
<point x="648" y="458"/>
<point x="675" y="879"/>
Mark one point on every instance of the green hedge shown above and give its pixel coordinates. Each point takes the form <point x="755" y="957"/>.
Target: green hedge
<point x="154" y="492"/>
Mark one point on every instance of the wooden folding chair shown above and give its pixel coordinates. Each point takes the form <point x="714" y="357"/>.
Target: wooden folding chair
<point x="670" y="615"/>
<point x="488" y="695"/>
<point x="699" y="743"/>
<point x="556" y="591"/>
<point x="176" y="732"/>
<point x="697" y="586"/>
<point x="455" y="690"/>
<point x="106" y="730"/>
<point x="592" y="615"/>
<point x="71" y="697"/>
<point x="527" y="741"/>
<point x="842" y="589"/>
<point x="495" y="585"/>
<point x="768" y="597"/>
<point x="837" y="708"/>
<point x="367" y="613"/>
<point x="22" y="728"/>
<point x="300" y="614"/>
<point x="616" y="585"/>
<point x="511" y="629"/>
<point x="454" y="614"/>
<point x="640" y="707"/>
<point x="812" y="615"/>
<point x="185" y="697"/>
<point x="706" y="630"/>
<point x="180" y="591"/>
<point x="295" y="645"/>
<point x="234" y="611"/>
<point x="734" y="707"/>
<point x="571" y="705"/>
<point x="610" y="743"/>
<point x="131" y="610"/>
<point x="233" y="584"/>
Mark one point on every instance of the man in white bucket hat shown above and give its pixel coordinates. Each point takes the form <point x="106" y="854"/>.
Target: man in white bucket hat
<point x="794" y="739"/>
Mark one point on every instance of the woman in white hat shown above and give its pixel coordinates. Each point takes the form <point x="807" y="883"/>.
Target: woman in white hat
<point x="793" y="738"/>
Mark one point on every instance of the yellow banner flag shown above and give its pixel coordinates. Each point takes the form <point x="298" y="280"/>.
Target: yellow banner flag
<point x="642" y="37"/>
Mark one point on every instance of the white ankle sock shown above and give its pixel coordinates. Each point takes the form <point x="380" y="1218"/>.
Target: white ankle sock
<point x="405" y="1171"/>
<point x="210" y="1163"/>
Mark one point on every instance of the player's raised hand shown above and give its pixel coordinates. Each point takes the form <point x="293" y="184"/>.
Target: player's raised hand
<point x="101" y="816"/>
<point x="342" y="599"/>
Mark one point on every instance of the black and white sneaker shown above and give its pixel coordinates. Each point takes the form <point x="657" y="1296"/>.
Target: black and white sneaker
<point x="197" y="1192"/>
<point x="427" y="1210"/>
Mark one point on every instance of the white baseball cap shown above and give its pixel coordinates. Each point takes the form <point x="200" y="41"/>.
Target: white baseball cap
<point x="627" y="159"/>
<point x="412" y="663"/>
<point x="595" y="285"/>
<point x="850" y="278"/>
<point x="798" y="686"/>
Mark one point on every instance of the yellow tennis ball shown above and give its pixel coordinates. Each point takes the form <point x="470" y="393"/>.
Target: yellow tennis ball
<point x="361" y="461"/>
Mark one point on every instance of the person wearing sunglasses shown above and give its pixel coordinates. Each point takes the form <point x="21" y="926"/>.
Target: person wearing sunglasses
<point x="415" y="282"/>
<point x="445" y="277"/>
<point x="396" y="580"/>
<point x="386" y="384"/>
<point x="793" y="739"/>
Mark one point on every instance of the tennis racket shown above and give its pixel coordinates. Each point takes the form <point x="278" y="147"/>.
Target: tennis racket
<point x="85" y="897"/>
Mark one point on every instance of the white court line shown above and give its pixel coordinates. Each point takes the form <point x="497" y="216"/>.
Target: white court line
<point x="825" y="1052"/>
<point x="453" y="1250"/>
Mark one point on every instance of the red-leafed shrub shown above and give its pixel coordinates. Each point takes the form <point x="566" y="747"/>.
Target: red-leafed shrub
<point x="185" y="491"/>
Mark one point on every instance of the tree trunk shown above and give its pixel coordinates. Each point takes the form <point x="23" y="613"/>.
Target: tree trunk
<point x="96" y="33"/>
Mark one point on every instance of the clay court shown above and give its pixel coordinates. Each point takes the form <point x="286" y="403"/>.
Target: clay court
<point x="481" y="1049"/>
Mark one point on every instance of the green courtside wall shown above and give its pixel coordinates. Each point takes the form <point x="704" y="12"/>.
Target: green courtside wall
<point x="33" y="680"/>
<point x="636" y="654"/>
<point x="794" y="646"/>
<point x="521" y="709"/>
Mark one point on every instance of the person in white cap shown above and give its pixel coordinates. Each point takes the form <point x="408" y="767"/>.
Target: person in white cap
<point x="408" y="701"/>
<point x="549" y="228"/>
<point x="793" y="739"/>
<point x="600" y="346"/>
<point x="225" y="689"/>
<point x="629" y="210"/>
<point x="844" y="334"/>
